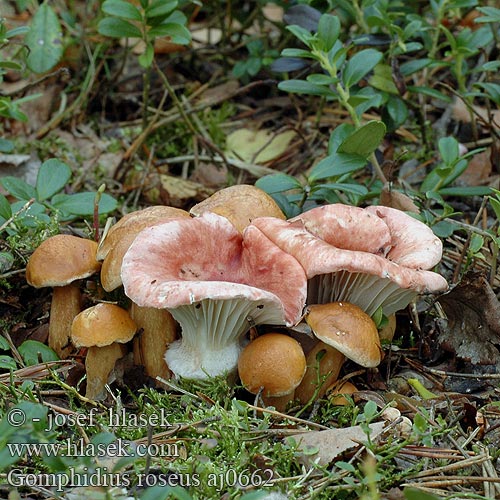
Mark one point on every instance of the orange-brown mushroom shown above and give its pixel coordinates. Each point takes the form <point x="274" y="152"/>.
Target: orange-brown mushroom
<point x="58" y="262"/>
<point x="104" y="329"/>
<point x="240" y="204"/>
<point x="347" y="328"/>
<point x="275" y="364"/>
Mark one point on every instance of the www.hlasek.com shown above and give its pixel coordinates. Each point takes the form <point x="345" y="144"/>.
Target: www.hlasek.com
<point x="117" y="449"/>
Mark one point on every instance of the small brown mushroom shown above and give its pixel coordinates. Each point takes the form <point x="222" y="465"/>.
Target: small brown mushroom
<point x="323" y="367"/>
<point x="275" y="364"/>
<point x="240" y="204"/>
<point x="102" y="328"/>
<point x="349" y="329"/>
<point x="58" y="262"/>
<point x="338" y="391"/>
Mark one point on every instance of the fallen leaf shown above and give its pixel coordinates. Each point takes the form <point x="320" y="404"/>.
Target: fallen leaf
<point x="478" y="170"/>
<point x="462" y="113"/>
<point x="395" y="199"/>
<point x="472" y="329"/>
<point x="322" y="447"/>
<point x="166" y="189"/>
<point x="257" y="146"/>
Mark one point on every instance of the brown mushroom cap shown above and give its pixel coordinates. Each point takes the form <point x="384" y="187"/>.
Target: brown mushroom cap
<point x="102" y="325"/>
<point x="60" y="260"/>
<point x="273" y="361"/>
<point x="347" y="328"/>
<point x="121" y="236"/>
<point x="133" y="223"/>
<point x="239" y="204"/>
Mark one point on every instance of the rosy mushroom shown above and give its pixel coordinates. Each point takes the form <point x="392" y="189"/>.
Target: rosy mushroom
<point x="58" y="262"/>
<point x="272" y="364"/>
<point x="374" y="257"/>
<point x="240" y="204"/>
<point x="216" y="283"/>
<point x="104" y="329"/>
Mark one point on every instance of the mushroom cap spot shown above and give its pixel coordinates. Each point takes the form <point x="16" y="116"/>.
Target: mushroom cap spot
<point x="348" y="228"/>
<point x="60" y="260"/>
<point x="349" y="329"/>
<point x="240" y="204"/>
<point x="102" y="325"/>
<point x="273" y="361"/>
<point x="134" y="222"/>
<point x="184" y="261"/>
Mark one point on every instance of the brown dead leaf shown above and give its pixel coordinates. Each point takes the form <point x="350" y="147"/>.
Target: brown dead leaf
<point x="163" y="189"/>
<point x="258" y="146"/>
<point x="472" y="329"/>
<point x="322" y="447"/>
<point x="395" y="199"/>
<point x="479" y="170"/>
<point x="462" y="113"/>
<point x="219" y="93"/>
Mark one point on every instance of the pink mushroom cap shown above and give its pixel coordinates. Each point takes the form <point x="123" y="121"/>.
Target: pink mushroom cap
<point x="369" y="257"/>
<point x="216" y="283"/>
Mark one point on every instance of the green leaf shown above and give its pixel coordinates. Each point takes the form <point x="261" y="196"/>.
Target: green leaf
<point x="301" y="33"/>
<point x="491" y="15"/>
<point x="397" y="111"/>
<point x="382" y="79"/>
<point x="118" y="28"/>
<point x="465" y="191"/>
<point x="302" y="87"/>
<point x="18" y="188"/>
<point x="52" y="177"/>
<point x="83" y="203"/>
<point x="297" y="53"/>
<point x="359" y="65"/>
<point x="20" y="30"/>
<point x="448" y="148"/>
<point x="7" y="363"/>
<point x="120" y="8"/>
<point x="495" y="204"/>
<point x="492" y="90"/>
<point x="277" y="183"/>
<point x="328" y="31"/>
<point x="335" y="165"/>
<point x="31" y="350"/>
<point x="160" y="8"/>
<point x="444" y="229"/>
<point x="365" y="140"/>
<point x="146" y="58"/>
<point x="5" y="210"/>
<point x="357" y="189"/>
<point x="321" y="79"/>
<point x="44" y="40"/>
<point x="177" y="33"/>
<point x="4" y="345"/>
<point x="417" y="494"/>
<point x="435" y="94"/>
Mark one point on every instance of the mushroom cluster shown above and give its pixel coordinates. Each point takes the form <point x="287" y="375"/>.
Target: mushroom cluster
<point x="233" y="263"/>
